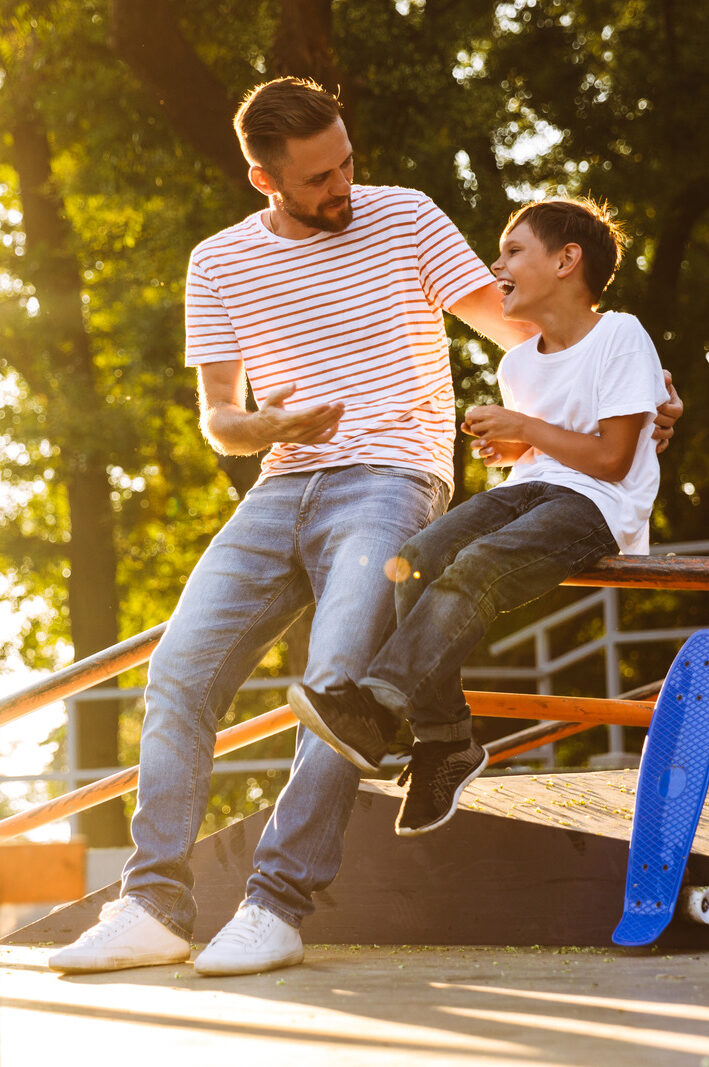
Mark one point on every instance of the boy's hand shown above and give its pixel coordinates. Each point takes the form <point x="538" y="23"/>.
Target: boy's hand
<point x="667" y="415"/>
<point x="499" y="453"/>
<point x="495" y="423"/>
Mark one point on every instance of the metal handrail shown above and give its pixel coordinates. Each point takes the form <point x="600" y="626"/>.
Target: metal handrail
<point x="637" y="572"/>
<point x="82" y="675"/>
<point x="568" y="714"/>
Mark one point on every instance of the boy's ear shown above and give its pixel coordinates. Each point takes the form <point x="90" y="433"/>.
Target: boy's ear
<point x="262" y="180"/>
<point x="569" y="258"/>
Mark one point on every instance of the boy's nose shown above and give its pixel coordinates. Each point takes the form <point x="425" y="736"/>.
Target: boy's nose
<point x="497" y="266"/>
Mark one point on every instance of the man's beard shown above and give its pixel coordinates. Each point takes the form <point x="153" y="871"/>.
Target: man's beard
<point x="320" y="220"/>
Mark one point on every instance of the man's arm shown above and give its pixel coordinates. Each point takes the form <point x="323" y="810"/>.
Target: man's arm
<point x="667" y="415"/>
<point x="233" y="431"/>
<point x="482" y="311"/>
<point x="607" y="455"/>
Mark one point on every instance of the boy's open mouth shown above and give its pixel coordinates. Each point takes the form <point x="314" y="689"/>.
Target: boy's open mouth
<point x="505" y="287"/>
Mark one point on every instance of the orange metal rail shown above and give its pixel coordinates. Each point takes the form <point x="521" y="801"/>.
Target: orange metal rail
<point x="635" y="572"/>
<point x="576" y="713"/>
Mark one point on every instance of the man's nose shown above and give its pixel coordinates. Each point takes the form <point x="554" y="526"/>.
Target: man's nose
<point x="341" y="184"/>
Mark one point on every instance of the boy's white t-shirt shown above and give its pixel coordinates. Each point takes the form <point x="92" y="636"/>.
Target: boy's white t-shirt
<point x="613" y="370"/>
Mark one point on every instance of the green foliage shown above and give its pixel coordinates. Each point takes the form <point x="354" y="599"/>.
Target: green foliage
<point x="479" y="105"/>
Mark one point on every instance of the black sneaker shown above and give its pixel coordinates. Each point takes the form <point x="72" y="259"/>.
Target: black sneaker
<point x="437" y="774"/>
<point x="351" y="721"/>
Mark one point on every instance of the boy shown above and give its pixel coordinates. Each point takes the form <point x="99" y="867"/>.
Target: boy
<point x="579" y="399"/>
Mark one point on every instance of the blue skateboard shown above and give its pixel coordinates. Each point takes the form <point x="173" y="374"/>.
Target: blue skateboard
<point x="672" y="785"/>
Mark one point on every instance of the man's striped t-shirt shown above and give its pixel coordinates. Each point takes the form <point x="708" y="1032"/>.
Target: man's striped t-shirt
<point x="353" y="316"/>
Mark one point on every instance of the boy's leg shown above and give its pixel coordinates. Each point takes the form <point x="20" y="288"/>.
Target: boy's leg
<point x="349" y="719"/>
<point x="357" y="522"/>
<point x="522" y="540"/>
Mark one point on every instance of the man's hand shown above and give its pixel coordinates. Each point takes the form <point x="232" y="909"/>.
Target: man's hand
<point x="233" y="431"/>
<point x="667" y="415"/>
<point x="305" y="426"/>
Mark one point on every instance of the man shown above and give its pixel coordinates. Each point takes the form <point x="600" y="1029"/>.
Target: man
<point x="330" y="300"/>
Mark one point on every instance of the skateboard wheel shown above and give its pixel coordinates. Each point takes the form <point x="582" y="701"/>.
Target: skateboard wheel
<point x="694" y="904"/>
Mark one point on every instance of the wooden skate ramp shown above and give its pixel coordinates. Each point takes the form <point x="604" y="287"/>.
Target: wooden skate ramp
<point x="527" y="860"/>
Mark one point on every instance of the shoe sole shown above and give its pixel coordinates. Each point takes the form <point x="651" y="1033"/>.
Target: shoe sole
<point x="117" y="964"/>
<point x="407" y="831"/>
<point x="309" y="717"/>
<point x="291" y="960"/>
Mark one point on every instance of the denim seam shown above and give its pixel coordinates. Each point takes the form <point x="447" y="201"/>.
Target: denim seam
<point x="311" y="509"/>
<point x="316" y="848"/>
<point x="483" y="598"/>
<point x="186" y="847"/>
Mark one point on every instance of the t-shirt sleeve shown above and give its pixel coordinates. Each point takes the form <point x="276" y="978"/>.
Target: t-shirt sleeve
<point x="631" y="381"/>
<point x="506" y="392"/>
<point x="448" y="267"/>
<point x="209" y="333"/>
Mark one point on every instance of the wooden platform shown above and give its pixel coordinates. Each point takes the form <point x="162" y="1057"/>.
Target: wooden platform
<point x="356" y="1006"/>
<point x="528" y="860"/>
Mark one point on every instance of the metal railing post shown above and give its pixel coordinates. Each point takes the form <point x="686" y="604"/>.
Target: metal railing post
<point x="541" y="656"/>
<point x="616" y="738"/>
<point x="72" y="757"/>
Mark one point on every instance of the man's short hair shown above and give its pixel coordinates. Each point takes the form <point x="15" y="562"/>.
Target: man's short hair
<point x="584" y="222"/>
<point x="277" y="110"/>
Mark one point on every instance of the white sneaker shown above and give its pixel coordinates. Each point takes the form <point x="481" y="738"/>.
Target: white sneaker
<point x="254" y="940"/>
<point x="125" y="936"/>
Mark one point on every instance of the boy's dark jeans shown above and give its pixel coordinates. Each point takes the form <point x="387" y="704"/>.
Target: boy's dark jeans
<point x="490" y="554"/>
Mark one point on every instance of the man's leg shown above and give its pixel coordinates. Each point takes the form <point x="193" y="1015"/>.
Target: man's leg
<point x="244" y="592"/>
<point x="522" y="541"/>
<point x="357" y="521"/>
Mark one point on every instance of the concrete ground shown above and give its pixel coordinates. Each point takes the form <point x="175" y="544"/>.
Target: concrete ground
<point x="357" y="1006"/>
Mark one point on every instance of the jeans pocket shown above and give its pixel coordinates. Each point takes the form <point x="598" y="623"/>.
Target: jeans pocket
<point x="423" y="479"/>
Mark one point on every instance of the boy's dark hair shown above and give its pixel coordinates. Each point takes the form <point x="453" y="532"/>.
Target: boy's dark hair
<point x="584" y="222"/>
<point x="276" y="110"/>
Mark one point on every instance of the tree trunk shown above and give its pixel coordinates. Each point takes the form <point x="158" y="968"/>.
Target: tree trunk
<point x="147" y="37"/>
<point x="63" y="359"/>
<point x="681" y="216"/>
<point x="302" y="47"/>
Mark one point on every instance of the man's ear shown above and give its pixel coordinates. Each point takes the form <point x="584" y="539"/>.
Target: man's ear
<point x="568" y="259"/>
<point x="262" y="181"/>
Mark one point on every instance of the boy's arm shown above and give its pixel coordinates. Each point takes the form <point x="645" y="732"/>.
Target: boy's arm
<point x="498" y="453"/>
<point x="607" y="455"/>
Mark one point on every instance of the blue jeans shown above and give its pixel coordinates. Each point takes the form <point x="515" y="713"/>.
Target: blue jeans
<point x="492" y="553"/>
<point x="323" y="536"/>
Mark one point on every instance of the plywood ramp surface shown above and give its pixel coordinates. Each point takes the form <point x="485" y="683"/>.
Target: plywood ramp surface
<point x="596" y="802"/>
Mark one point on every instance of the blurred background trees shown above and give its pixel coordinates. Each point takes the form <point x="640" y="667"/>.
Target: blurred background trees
<point x="118" y="156"/>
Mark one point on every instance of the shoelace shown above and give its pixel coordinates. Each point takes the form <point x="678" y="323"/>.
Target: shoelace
<point x="248" y="921"/>
<point x="419" y="758"/>
<point x="405" y="774"/>
<point x="112" y="912"/>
